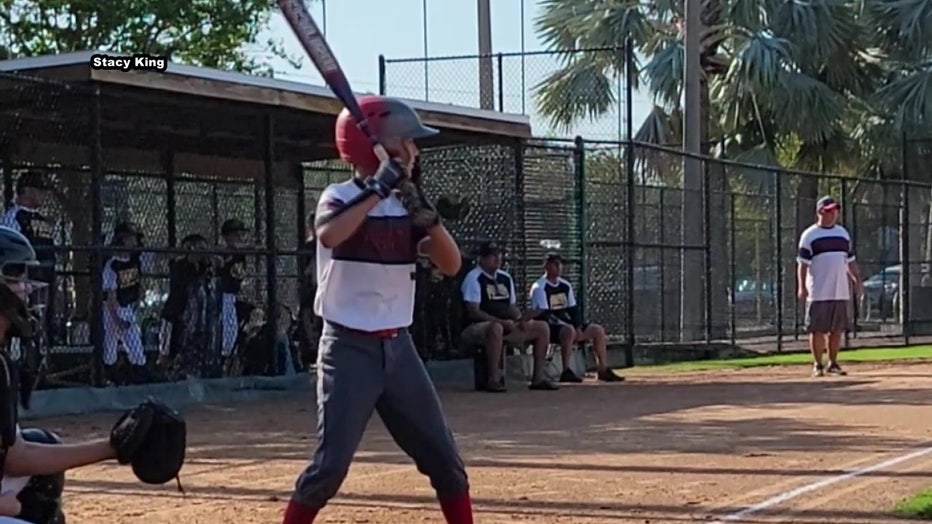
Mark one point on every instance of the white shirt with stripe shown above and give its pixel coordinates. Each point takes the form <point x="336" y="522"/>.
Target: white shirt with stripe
<point x="827" y="251"/>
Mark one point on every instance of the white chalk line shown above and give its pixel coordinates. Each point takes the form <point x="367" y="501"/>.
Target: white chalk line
<point x="802" y="490"/>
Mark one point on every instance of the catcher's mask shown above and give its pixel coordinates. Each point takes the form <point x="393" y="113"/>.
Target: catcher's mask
<point x="22" y="298"/>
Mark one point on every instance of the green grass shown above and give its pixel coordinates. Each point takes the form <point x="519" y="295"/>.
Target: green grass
<point x="795" y="359"/>
<point x="919" y="506"/>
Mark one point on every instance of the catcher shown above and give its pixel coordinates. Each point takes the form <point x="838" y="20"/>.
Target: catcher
<point x="370" y="231"/>
<point x="33" y="461"/>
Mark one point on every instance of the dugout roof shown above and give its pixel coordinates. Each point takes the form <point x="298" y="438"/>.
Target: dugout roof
<point x="214" y="120"/>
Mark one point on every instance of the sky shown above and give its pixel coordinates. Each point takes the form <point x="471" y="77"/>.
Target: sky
<point x="360" y="30"/>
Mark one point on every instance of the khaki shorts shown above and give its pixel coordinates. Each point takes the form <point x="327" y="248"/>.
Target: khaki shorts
<point x="828" y="316"/>
<point x="474" y="335"/>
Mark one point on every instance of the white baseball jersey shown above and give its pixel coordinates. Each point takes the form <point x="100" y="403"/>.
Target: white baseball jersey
<point x="367" y="282"/>
<point x="13" y="485"/>
<point x="827" y="251"/>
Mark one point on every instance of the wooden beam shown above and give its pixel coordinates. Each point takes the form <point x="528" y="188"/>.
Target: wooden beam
<point x="135" y="135"/>
<point x="131" y="160"/>
<point x="301" y="101"/>
<point x="214" y="89"/>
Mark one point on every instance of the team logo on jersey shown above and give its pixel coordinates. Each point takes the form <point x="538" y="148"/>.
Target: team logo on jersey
<point x="238" y="271"/>
<point x="497" y="291"/>
<point x="128" y="277"/>
<point x="41" y="228"/>
<point x="557" y="301"/>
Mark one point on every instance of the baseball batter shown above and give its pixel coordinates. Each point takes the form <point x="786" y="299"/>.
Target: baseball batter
<point x="368" y="239"/>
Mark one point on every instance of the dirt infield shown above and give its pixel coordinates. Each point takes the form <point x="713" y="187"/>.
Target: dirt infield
<point x="657" y="449"/>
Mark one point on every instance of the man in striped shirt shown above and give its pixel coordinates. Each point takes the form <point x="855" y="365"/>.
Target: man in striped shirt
<point x="826" y="272"/>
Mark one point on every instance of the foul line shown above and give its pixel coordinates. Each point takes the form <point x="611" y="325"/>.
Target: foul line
<point x="802" y="490"/>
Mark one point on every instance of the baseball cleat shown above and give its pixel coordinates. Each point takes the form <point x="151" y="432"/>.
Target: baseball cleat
<point x="569" y="377"/>
<point x="610" y="376"/>
<point x="543" y="385"/>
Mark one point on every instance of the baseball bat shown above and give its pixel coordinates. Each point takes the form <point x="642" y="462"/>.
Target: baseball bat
<point x="316" y="46"/>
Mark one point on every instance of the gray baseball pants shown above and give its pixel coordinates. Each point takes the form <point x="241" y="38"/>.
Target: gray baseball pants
<point x="356" y="374"/>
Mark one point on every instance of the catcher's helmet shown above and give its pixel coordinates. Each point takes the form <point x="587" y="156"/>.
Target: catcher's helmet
<point x="15" y="248"/>
<point x="387" y="118"/>
<point x="16" y="257"/>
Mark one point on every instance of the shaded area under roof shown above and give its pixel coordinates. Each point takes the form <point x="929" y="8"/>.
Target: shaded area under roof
<point x="218" y="117"/>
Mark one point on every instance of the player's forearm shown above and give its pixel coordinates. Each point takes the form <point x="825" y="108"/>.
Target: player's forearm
<point x="514" y="312"/>
<point x="443" y="251"/>
<point x="854" y="272"/>
<point x="802" y="271"/>
<point x="30" y="458"/>
<point x="339" y="226"/>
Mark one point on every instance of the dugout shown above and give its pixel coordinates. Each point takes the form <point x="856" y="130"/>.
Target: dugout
<point x="178" y="152"/>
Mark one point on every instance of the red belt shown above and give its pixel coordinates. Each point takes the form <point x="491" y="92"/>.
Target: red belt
<point x="381" y="333"/>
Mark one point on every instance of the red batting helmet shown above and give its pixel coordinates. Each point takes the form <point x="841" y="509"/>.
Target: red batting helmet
<point x="387" y="118"/>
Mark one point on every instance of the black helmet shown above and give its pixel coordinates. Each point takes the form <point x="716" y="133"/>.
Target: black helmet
<point x="16" y="255"/>
<point x="15" y="248"/>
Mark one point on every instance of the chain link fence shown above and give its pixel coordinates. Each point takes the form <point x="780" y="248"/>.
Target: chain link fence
<point x="536" y="83"/>
<point x="660" y="250"/>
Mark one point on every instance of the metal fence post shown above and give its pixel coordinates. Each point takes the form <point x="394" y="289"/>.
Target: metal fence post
<point x="382" y="79"/>
<point x="518" y="233"/>
<point x="905" y="269"/>
<point x="778" y="255"/>
<point x="297" y="172"/>
<point x="707" y="249"/>
<point x="8" y="193"/>
<point x="843" y="200"/>
<point x="501" y="82"/>
<point x="582" y="215"/>
<point x="97" y="239"/>
<point x="271" y="270"/>
<point x="629" y="204"/>
<point x="171" y="204"/>
<point x="732" y="268"/>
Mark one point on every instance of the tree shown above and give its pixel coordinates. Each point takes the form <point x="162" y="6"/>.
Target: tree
<point x="211" y="33"/>
<point x="808" y="81"/>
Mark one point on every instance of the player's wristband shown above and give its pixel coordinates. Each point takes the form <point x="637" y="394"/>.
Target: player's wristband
<point x="376" y="187"/>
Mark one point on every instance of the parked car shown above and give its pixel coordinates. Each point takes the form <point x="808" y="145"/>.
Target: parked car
<point x="749" y="293"/>
<point x="881" y="294"/>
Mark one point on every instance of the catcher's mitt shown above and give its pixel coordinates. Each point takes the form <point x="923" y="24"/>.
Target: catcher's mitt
<point x="153" y="438"/>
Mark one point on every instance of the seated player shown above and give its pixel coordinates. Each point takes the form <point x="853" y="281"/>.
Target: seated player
<point x="493" y="318"/>
<point x="553" y="295"/>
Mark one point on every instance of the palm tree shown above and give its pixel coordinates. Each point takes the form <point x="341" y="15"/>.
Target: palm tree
<point x="804" y="81"/>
